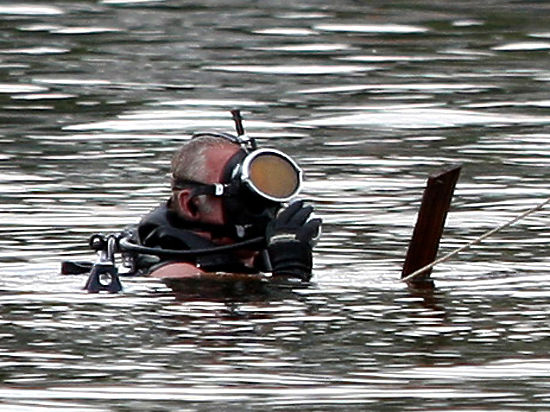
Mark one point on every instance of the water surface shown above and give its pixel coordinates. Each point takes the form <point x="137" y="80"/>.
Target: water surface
<point x="370" y="99"/>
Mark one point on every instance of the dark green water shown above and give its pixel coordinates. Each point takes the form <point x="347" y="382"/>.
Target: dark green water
<point x="370" y="97"/>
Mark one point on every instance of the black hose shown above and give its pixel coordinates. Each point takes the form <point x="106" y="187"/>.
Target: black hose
<point x="126" y="245"/>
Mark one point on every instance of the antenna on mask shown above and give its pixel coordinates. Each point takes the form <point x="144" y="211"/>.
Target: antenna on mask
<point x="244" y="139"/>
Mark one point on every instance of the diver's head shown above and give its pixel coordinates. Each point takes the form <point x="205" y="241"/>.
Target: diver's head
<point x="200" y="161"/>
<point x="222" y="179"/>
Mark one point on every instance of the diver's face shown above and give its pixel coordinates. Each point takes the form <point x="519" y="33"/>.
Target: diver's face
<point x="245" y="214"/>
<point x="210" y="207"/>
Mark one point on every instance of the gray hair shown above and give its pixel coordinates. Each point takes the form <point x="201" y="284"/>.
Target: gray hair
<point x="189" y="161"/>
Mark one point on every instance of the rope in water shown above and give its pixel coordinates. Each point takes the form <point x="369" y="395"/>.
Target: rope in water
<point x="491" y="232"/>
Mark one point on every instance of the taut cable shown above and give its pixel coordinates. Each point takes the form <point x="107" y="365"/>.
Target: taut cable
<point x="491" y="232"/>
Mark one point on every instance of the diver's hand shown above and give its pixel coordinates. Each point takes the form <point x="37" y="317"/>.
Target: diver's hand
<point x="290" y="239"/>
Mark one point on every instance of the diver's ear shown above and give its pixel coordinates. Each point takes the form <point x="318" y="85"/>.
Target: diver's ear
<point x="187" y="204"/>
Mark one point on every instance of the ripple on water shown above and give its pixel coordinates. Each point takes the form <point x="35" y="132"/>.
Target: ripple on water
<point x="425" y="118"/>
<point x="84" y="30"/>
<point x="212" y="103"/>
<point x="336" y="394"/>
<point x="20" y="88"/>
<point x="161" y="120"/>
<point x="30" y="10"/>
<point x="35" y="50"/>
<point x="533" y="369"/>
<point x="307" y="48"/>
<point x="130" y="2"/>
<point x="305" y="69"/>
<point x="44" y="96"/>
<point x="373" y="28"/>
<point x="434" y="87"/>
<point x="523" y="46"/>
<point x="285" y="31"/>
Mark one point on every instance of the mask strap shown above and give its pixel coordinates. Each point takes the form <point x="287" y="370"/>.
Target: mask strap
<point x="248" y="144"/>
<point x="212" y="189"/>
<point x="233" y="162"/>
<point x="227" y="187"/>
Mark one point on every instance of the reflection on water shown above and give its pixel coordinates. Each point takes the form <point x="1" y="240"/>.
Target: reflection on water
<point x="370" y="99"/>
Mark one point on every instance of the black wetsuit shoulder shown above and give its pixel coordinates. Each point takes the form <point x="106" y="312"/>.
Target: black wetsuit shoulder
<point x="163" y="228"/>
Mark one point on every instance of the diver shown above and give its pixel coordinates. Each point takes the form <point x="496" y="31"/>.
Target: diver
<point x="229" y="203"/>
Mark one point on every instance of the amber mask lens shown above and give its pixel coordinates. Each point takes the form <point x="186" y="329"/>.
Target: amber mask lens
<point x="274" y="176"/>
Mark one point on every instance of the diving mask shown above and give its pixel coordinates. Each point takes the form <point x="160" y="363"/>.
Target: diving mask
<point x="268" y="173"/>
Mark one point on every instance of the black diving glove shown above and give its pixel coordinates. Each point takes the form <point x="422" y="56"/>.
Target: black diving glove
<point x="290" y="239"/>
